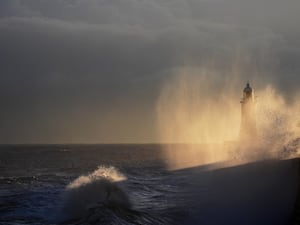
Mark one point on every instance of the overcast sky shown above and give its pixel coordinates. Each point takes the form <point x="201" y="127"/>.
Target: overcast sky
<point x="91" y="71"/>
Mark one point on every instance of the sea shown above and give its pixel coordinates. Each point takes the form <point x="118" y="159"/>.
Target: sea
<point x="132" y="184"/>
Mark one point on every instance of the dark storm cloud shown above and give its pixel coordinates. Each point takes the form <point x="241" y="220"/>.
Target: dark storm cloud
<point x="67" y="67"/>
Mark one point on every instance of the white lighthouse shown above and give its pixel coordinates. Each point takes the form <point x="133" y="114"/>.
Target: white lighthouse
<point x="248" y="121"/>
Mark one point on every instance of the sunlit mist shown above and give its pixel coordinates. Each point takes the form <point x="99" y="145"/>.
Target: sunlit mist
<point x="278" y="122"/>
<point x="201" y="116"/>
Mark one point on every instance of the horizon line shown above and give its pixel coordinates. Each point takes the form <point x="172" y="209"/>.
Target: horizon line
<point x="113" y="143"/>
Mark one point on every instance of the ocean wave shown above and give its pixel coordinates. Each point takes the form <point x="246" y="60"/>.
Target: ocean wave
<point x="101" y="187"/>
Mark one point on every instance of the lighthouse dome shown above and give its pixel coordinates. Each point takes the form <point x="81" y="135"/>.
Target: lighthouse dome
<point x="248" y="89"/>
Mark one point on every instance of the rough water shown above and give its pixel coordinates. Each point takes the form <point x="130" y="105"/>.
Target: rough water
<point x="130" y="184"/>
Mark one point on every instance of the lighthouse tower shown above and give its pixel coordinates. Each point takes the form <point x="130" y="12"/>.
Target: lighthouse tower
<point x="248" y="122"/>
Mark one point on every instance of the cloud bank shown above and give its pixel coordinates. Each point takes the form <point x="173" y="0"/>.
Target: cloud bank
<point x="91" y="71"/>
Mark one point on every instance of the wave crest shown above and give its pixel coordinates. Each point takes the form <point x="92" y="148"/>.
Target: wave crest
<point x="103" y="186"/>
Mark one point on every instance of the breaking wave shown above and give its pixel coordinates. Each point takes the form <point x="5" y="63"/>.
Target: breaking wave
<point x="100" y="198"/>
<point x="99" y="188"/>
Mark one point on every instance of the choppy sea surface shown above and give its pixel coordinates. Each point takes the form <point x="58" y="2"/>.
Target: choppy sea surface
<point x="130" y="184"/>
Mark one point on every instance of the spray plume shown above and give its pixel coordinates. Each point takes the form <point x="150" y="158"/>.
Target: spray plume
<point x="199" y="110"/>
<point x="278" y="123"/>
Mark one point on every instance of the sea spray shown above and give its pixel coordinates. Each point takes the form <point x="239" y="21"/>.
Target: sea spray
<point x="102" y="172"/>
<point x="101" y="187"/>
<point x="203" y="117"/>
<point x="198" y="114"/>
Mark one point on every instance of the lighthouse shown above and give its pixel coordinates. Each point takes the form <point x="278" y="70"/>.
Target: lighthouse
<point x="248" y="121"/>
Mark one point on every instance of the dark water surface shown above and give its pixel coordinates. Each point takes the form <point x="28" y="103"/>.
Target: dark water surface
<point x="33" y="181"/>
